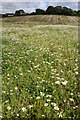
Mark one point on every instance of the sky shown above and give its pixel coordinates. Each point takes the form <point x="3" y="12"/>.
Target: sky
<point x="29" y="6"/>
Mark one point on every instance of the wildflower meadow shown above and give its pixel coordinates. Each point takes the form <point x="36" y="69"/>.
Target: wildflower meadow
<point x="39" y="69"/>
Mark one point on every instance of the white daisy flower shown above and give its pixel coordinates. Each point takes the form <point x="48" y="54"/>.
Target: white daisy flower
<point x="56" y="107"/>
<point x="24" y="109"/>
<point x="48" y="100"/>
<point x="41" y="93"/>
<point x="71" y="99"/>
<point x="30" y="106"/>
<point x="38" y="97"/>
<point x="46" y="104"/>
<point x="57" y="82"/>
<point x="17" y="115"/>
<point x="64" y="83"/>
<point x="16" y="88"/>
<point x="43" y="115"/>
<point x="54" y="104"/>
<point x="21" y="74"/>
<point x="60" y="115"/>
<point x="76" y="73"/>
<point x="9" y="108"/>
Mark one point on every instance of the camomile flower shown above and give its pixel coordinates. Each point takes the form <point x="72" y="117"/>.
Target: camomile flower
<point x="38" y="97"/>
<point x="64" y="83"/>
<point x="48" y="100"/>
<point x="46" y="104"/>
<point x="24" y="109"/>
<point x="42" y="94"/>
<point x="76" y="73"/>
<point x="8" y="75"/>
<point x="71" y="99"/>
<point x="56" y="107"/>
<point x="71" y="93"/>
<point x="16" y="88"/>
<point x="52" y="76"/>
<point x="21" y="74"/>
<point x="43" y="115"/>
<point x="30" y="106"/>
<point x="49" y="96"/>
<point x="0" y="116"/>
<point x="75" y="107"/>
<point x="17" y="115"/>
<point x="60" y="115"/>
<point x="9" y="108"/>
<point x="11" y="90"/>
<point x="54" y="104"/>
<point x="62" y="78"/>
<point x="57" y="82"/>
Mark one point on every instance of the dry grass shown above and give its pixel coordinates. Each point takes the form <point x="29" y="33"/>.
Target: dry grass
<point x="47" y="19"/>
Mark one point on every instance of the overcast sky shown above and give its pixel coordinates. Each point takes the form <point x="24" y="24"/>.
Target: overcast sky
<point x="30" y="5"/>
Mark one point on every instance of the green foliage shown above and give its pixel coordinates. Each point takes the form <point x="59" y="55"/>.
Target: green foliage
<point x="19" y="12"/>
<point x="58" y="10"/>
<point x="40" y="11"/>
<point x="50" y="10"/>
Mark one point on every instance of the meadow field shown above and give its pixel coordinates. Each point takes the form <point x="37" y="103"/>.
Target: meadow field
<point x="40" y="67"/>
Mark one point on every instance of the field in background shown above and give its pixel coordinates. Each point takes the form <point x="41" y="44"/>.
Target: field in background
<point x="45" y="19"/>
<point x="40" y="67"/>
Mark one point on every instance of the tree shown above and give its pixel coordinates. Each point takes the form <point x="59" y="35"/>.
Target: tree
<point x="75" y="13"/>
<point x="40" y="11"/>
<point x="19" y="12"/>
<point x="78" y="13"/>
<point x="33" y="13"/>
<point x="67" y="11"/>
<point x="50" y="10"/>
<point x="70" y="12"/>
<point x="58" y="10"/>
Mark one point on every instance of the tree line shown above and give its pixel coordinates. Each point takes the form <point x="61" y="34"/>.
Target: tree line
<point x="58" y="10"/>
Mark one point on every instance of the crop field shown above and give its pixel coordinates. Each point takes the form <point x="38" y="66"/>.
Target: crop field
<point x="40" y="69"/>
<point x="45" y="19"/>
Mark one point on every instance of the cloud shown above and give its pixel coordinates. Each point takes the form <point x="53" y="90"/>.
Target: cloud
<point x="39" y="0"/>
<point x="67" y="4"/>
<point x="75" y="6"/>
<point x="13" y="6"/>
<point x="58" y="0"/>
<point x="42" y="5"/>
<point x="16" y="0"/>
<point x="29" y="7"/>
<point x="70" y="0"/>
<point x="26" y="6"/>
